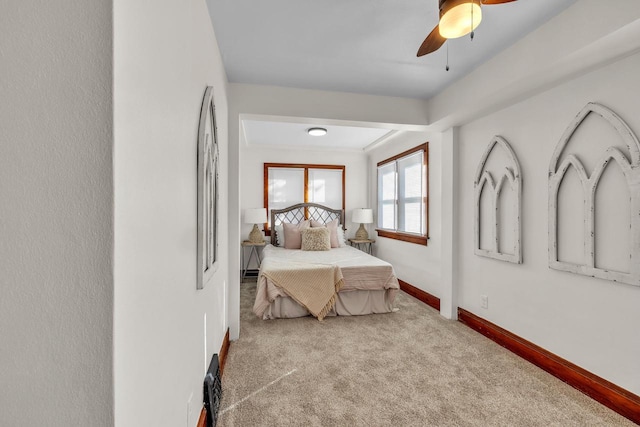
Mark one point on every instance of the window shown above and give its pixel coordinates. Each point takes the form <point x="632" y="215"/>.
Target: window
<point x="402" y="196"/>
<point x="288" y="184"/>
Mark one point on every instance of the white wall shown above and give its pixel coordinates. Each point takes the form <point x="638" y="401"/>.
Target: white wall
<point x="588" y="321"/>
<point x="165" y="56"/>
<point x="56" y="281"/>
<point x="251" y="178"/>
<point x="417" y="265"/>
<point x="409" y="113"/>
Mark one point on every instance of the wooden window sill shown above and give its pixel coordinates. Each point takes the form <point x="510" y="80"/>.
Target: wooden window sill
<point x="405" y="237"/>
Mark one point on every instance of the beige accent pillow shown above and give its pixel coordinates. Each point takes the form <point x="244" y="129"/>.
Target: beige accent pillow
<point x="316" y="239"/>
<point x="333" y="230"/>
<point x="292" y="238"/>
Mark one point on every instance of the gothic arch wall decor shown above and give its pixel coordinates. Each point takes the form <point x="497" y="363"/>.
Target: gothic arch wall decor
<point x="207" y="158"/>
<point x="486" y="186"/>
<point x="629" y="164"/>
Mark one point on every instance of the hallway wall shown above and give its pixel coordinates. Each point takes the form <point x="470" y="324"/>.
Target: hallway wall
<point x="165" y="330"/>
<point x="56" y="209"/>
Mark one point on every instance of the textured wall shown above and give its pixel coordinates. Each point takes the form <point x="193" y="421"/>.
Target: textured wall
<point x="56" y="208"/>
<point x="591" y="322"/>
<point x="165" y="330"/>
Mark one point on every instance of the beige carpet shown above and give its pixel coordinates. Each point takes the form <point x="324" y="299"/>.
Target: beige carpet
<point x="410" y="368"/>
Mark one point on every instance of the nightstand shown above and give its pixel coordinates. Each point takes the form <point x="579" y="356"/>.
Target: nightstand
<point x="365" y="245"/>
<point x="253" y="251"/>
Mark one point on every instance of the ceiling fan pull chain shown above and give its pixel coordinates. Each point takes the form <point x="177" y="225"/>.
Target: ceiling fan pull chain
<point x="447" y="67"/>
<point x="472" y="32"/>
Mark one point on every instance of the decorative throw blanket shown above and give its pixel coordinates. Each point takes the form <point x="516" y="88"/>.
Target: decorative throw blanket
<point x="313" y="286"/>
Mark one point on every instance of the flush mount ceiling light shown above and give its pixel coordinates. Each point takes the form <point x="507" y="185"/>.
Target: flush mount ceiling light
<point x="317" y="131"/>
<point x="457" y="18"/>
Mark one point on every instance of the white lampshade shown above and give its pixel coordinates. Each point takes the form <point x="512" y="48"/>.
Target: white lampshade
<point x="362" y="216"/>
<point x="255" y="216"/>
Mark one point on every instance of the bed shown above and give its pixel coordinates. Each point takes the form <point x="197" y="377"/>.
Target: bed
<point x="363" y="284"/>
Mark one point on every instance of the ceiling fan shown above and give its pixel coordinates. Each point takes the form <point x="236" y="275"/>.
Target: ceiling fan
<point x="457" y="18"/>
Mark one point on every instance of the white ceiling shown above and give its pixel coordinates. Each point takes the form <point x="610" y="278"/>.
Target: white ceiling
<point x="365" y="46"/>
<point x="258" y="132"/>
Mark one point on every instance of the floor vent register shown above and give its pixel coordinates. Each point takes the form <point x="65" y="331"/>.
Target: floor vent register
<point x="212" y="391"/>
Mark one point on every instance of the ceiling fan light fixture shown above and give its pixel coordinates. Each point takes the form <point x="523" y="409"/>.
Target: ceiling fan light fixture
<point x="317" y="131"/>
<point x="459" y="18"/>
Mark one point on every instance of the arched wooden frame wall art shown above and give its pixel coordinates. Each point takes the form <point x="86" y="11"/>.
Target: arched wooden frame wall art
<point x="207" y="191"/>
<point x="512" y="177"/>
<point x="631" y="171"/>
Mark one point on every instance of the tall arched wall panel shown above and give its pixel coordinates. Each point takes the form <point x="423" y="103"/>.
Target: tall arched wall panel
<point x="492" y="184"/>
<point x="623" y="152"/>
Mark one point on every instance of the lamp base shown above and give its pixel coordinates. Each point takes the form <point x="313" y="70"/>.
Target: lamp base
<point x="256" y="235"/>
<point x="362" y="234"/>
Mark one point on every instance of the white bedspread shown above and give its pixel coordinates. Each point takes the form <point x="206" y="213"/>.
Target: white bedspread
<point x="360" y="271"/>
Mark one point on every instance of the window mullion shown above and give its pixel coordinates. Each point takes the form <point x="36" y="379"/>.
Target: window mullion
<point x="306" y="185"/>
<point x="395" y="197"/>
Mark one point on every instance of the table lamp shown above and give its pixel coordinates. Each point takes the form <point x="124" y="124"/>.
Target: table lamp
<point x="362" y="216"/>
<point x="255" y="216"/>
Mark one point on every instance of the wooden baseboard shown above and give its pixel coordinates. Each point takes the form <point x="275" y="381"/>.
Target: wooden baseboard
<point x="202" y="421"/>
<point x="224" y="350"/>
<point x="421" y="295"/>
<point x="610" y="395"/>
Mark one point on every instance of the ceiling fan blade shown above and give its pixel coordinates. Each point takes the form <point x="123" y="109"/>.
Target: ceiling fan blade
<point x="488" y="2"/>
<point x="432" y="43"/>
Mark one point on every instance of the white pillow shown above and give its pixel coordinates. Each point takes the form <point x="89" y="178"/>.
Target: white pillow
<point x="341" y="241"/>
<point x="280" y="235"/>
<point x="293" y="234"/>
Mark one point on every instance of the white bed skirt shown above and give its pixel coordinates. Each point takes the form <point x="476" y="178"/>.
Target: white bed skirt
<point x="350" y="303"/>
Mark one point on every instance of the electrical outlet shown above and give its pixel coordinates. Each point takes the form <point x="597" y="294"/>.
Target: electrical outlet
<point x="484" y="301"/>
